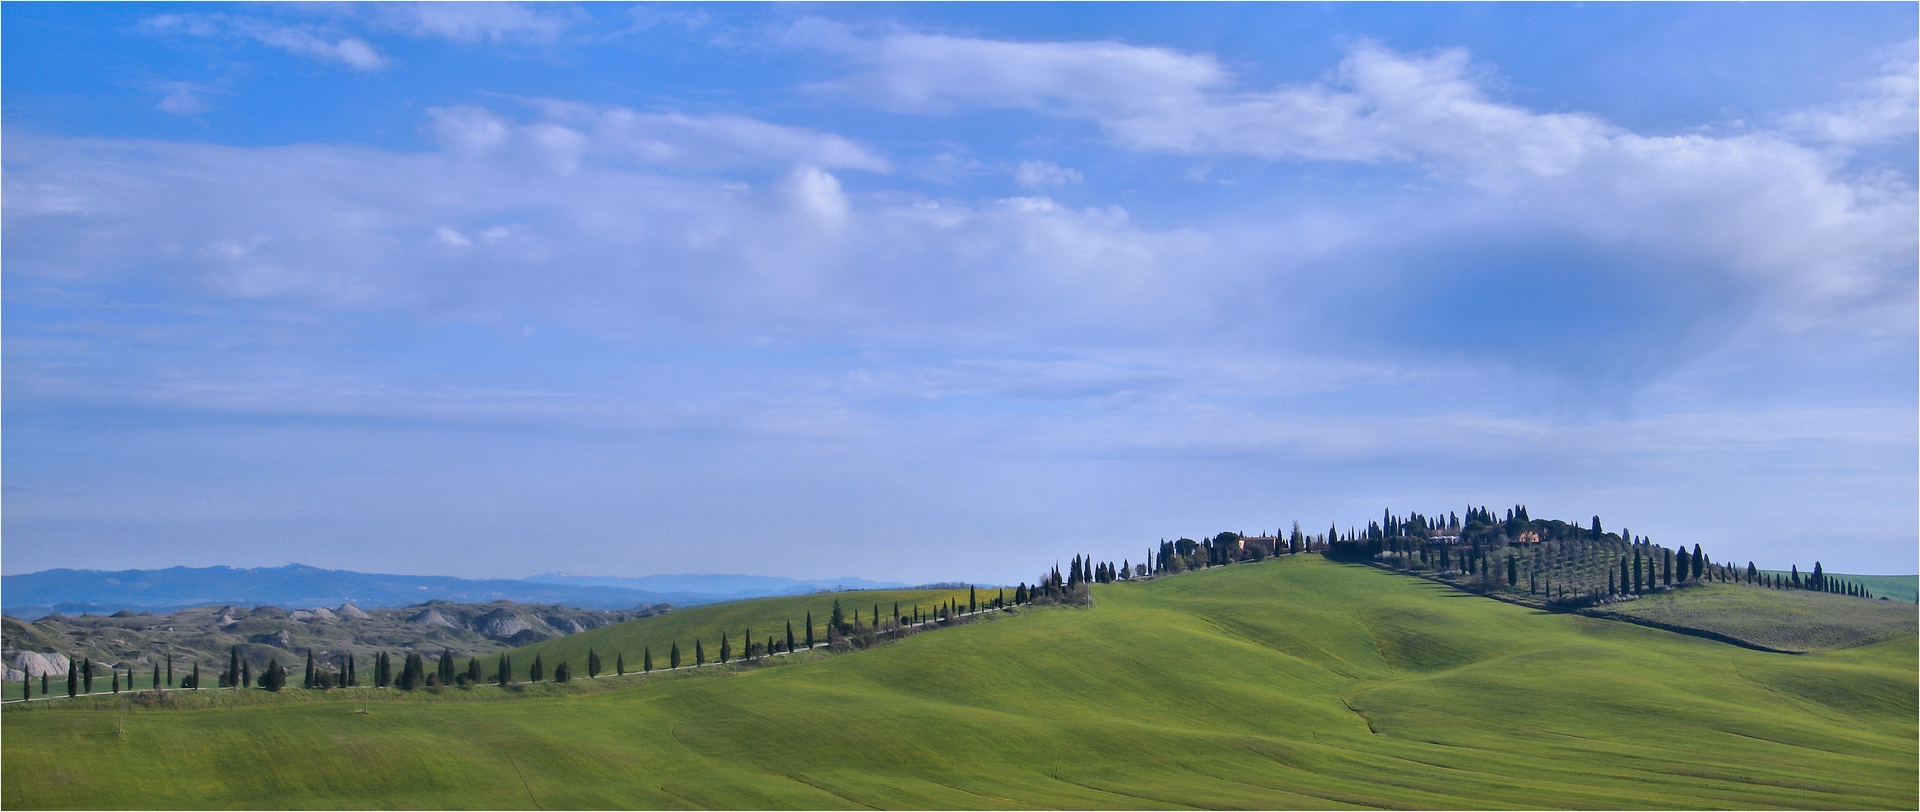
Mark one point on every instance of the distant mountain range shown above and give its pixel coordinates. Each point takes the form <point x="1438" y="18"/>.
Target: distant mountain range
<point x="73" y="592"/>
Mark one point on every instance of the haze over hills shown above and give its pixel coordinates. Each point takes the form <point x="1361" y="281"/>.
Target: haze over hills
<point x="733" y="586"/>
<point x="68" y="591"/>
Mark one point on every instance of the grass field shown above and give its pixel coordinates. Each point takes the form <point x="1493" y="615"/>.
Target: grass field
<point x="1291" y="683"/>
<point x="765" y="616"/>
<point x="1898" y="587"/>
<point x="1786" y="620"/>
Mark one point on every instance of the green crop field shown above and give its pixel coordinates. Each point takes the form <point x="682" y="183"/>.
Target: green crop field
<point x="765" y="616"/>
<point x="1785" y="620"/>
<point x="1898" y="587"/>
<point x="1291" y="683"/>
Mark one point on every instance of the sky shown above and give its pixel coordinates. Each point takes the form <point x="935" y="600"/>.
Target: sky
<point x="937" y="292"/>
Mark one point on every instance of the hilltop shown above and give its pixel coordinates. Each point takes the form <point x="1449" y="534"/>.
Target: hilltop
<point x="1298" y="682"/>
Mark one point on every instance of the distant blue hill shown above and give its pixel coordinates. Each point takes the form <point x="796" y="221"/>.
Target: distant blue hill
<point x="732" y="586"/>
<point x="37" y="594"/>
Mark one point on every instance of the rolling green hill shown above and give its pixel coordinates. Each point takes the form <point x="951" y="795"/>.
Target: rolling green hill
<point x="1898" y="587"/>
<point x="765" y="616"/>
<point x="1291" y="683"/>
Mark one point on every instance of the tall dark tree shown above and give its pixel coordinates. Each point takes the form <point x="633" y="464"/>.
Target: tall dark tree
<point x="699" y="653"/>
<point x="646" y="659"/>
<point x="837" y="620"/>
<point x="1699" y="562"/>
<point x="169" y="671"/>
<point x="73" y="678"/>
<point x="445" y="672"/>
<point x="474" y="676"/>
<point x="538" y="671"/>
<point x="809" y="630"/>
<point x="972" y="606"/>
<point x="563" y="672"/>
<point x="116" y="680"/>
<point x="1680" y="567"/>
<point x="620" y="664"/>
<point x="673" y="657"/>
<point x="275" y="677"/>
<point x="593" y="664"/>
<point x="195" y="677"/>
<point x="246" y="674"/>
<point x="413" y="674"/>
<point x="86" y="674"/>
<point x="156" y="677"/>
<point x="1513" y="572"/>
<point x="789" y="636"/>
<point x="505" y="674"/>
<point x="726" y="649"/>
<point x="1623" y="575"/>
<point x="307" y="681"/>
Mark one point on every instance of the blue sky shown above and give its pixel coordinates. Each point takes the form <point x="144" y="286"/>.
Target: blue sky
<point x="936" y="292"/>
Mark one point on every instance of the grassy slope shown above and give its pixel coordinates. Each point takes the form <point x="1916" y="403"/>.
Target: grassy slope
<point x="1898" y="587"/>
<point x="1296" y="683"/>
<point x="765" y="616"/>
<point x="1783" y="619"/>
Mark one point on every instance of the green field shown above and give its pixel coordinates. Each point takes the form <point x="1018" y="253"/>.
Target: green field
<point x="1291" y="683"/>
<point x="1780" y="619"/>
<point x="1898" y="587"/>
<point x="765" y="616"/>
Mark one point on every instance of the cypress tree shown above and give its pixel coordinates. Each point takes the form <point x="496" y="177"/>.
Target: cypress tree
<point x="593" y="664"/>
<point x="505" y="674"/>
<point x="246" y="674"/>
<point x="971" y="606"/>
<point x="1699" y="562"/>
<point x="156" y="677"/>
<point x="274" y="679"/>
<point x="169" y="671"/>
<point x="838" y="620"/>
<point x="789" y="637"/>
<point x="620" y="664"/>
<point x="646" y="659"/>
<point x="26" y="689"/>
<point x="116" y="680"/>
<point x="73" y="679"/>
<point x="473" y="671"/>
<point x="233" y="667"/>
<point x="539" y="670"/>
<point x="673" y="657"/>
<point x="307" y="681"/>
<point x="769" y="644"/>
<point x="563" y="672"/>
<point x="446" y="670"/>
<point x="1680" y="568"/>
<point x="1513" y="572"/>
<point x="699" y="653"/>
<point x="1623" y="575"/>
<point x="809" y="630"/>
<point x="1666" y="572"/>
<point x="43" y="683"/>
<point x="195" y="677"/>
<point x="726" y="648"/>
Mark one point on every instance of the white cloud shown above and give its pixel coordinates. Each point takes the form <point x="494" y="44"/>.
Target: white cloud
<point x="1044" y="174"/>
<point x="934" y="73"/>
<point x="1759" y="207"/>
<point x="184" y="98"/>
<point x="473" y="22"/>
<point x="1884" y="109"/>
<point x="303" y="41"/>
<point x="564" y="132"/>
